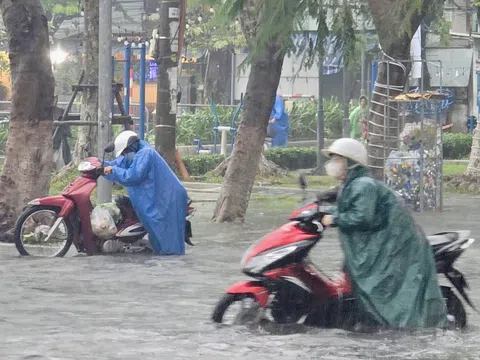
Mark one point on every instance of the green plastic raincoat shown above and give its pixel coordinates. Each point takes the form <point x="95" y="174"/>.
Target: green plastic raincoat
<point x="387" y="257"/>
<point x="357" y="118"/>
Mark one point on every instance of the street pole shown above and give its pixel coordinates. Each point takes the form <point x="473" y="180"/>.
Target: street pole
<point x="104" y="192"/>
<point x="363" y="73"/>
<point x="320" y="120"/>
<point x="166" y="56"/>
<point x="346" y="100"/>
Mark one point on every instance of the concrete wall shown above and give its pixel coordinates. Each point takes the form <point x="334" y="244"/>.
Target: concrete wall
<point x="303" y="82"/>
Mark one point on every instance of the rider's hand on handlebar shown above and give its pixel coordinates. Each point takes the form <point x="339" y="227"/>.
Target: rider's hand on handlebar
<point x="107" y="170"/>
<point x="327" y="220"/>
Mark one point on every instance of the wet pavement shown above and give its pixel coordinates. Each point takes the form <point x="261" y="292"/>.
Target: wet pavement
<point x="143" y="307"/>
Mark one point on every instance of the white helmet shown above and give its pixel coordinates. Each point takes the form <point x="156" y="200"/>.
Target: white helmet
<point x="124" y="140"/>
<point x="348" y="148"/>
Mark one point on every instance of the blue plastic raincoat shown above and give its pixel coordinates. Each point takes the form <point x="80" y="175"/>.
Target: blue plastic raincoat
<point x="281" y="125"/>
<point x="157" y="196"/>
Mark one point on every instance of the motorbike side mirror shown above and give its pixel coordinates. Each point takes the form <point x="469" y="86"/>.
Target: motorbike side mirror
<point x="109" y="148"/>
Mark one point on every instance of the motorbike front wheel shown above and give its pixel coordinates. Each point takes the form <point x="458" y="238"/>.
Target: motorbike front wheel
<point x="247" y="311"/>
<point x="31" y="232"/>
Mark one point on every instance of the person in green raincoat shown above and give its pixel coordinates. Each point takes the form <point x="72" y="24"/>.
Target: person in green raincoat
<point x="387" y="257"/>
<point x="358" y="120"/>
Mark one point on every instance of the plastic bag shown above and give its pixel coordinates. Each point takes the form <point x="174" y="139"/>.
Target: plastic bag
<point x="104" y="219"/>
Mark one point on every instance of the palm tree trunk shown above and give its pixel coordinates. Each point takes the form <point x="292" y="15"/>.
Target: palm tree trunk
<point x="262" y="85"/>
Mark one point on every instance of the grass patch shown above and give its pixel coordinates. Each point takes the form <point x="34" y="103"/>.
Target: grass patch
<point x="452" y="169"/>
<point x="289" y="181"/>
<point x="277" y="202"/>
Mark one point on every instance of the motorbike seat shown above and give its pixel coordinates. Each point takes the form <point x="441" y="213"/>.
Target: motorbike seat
<point x="437" y="241"/>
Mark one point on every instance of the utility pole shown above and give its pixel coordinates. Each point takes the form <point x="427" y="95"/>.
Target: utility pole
<point x="320" y="120"/>
<point x="167" y="75"/>
<point x="346" y="100"/>
<point x="363" y="73"/>
<point x="104" y="192"/>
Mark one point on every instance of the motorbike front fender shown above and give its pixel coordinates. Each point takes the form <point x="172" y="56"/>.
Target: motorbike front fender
<point x="58" y="201"/>
<point x="255" y="288"/>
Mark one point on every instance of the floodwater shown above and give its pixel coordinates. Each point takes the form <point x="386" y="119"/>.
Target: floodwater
<point x="143" y="307"/>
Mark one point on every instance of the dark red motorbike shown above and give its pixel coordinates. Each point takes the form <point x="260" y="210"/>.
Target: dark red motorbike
<point x="288" y="288"/>
<point x="48" y="226"/>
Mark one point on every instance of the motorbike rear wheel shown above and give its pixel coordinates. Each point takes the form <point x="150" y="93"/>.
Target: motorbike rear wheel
<point x="36" y="235"/>
<point x="455" y="309"/>
<point x="229" y="300"/>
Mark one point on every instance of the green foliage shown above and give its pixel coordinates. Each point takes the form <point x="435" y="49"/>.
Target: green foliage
<point x="303" y="122"/>
<point x="199" y="125"/>
<point x="442" y="27"/>
<point x="206" y="30"/>
<point x="274" y="21"/>
<point x="303" y="119"/>
<point x="3" y="138"/>
<point x="4" y="62"/>
<point x="456" y="145"/>
<point x="67" y="7"/>
<point x="290" y="158"/>
<point x="202" y="164"/>
<point x="293" y="158"/>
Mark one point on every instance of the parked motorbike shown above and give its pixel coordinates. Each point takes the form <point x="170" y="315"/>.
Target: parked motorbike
<point x="48" y="226"/>
<point x="290" y="289"/>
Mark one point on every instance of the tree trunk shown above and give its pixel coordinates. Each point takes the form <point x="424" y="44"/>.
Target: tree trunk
<point x="262" y="85"/>
<point x="28" y="165"/>
<point x="396" y="45"/>
<point x="87" y="135"/>
<point x="474" y="161"/>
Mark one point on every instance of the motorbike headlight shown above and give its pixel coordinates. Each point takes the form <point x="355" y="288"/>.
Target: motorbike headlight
<point x="85" y="166"/>
<point x="262" y="260"/>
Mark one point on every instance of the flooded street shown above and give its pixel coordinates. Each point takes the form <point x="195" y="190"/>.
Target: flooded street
<point x="143" y="307"/>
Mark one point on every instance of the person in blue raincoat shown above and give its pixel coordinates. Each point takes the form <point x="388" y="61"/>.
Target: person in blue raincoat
<point x="158" y="197"/>
<point x="279" y="123"/>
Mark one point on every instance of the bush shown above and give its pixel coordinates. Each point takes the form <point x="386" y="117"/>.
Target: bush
<point x="199" y="125"/>
<point x="201" y="164"/>
<point x="290" y="158"/>
<point x="3" y="139"/>
<point x="293" y="158"/>
<point x="303" y="121"/>
<point x="456" y="146"/>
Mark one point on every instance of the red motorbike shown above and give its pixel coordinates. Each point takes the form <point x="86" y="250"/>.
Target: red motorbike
<point x="290" y="289"/>
<point x="58" y="221"/>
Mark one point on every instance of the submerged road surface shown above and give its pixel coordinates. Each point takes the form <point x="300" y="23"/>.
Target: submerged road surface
<point x="142" y="307"/>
